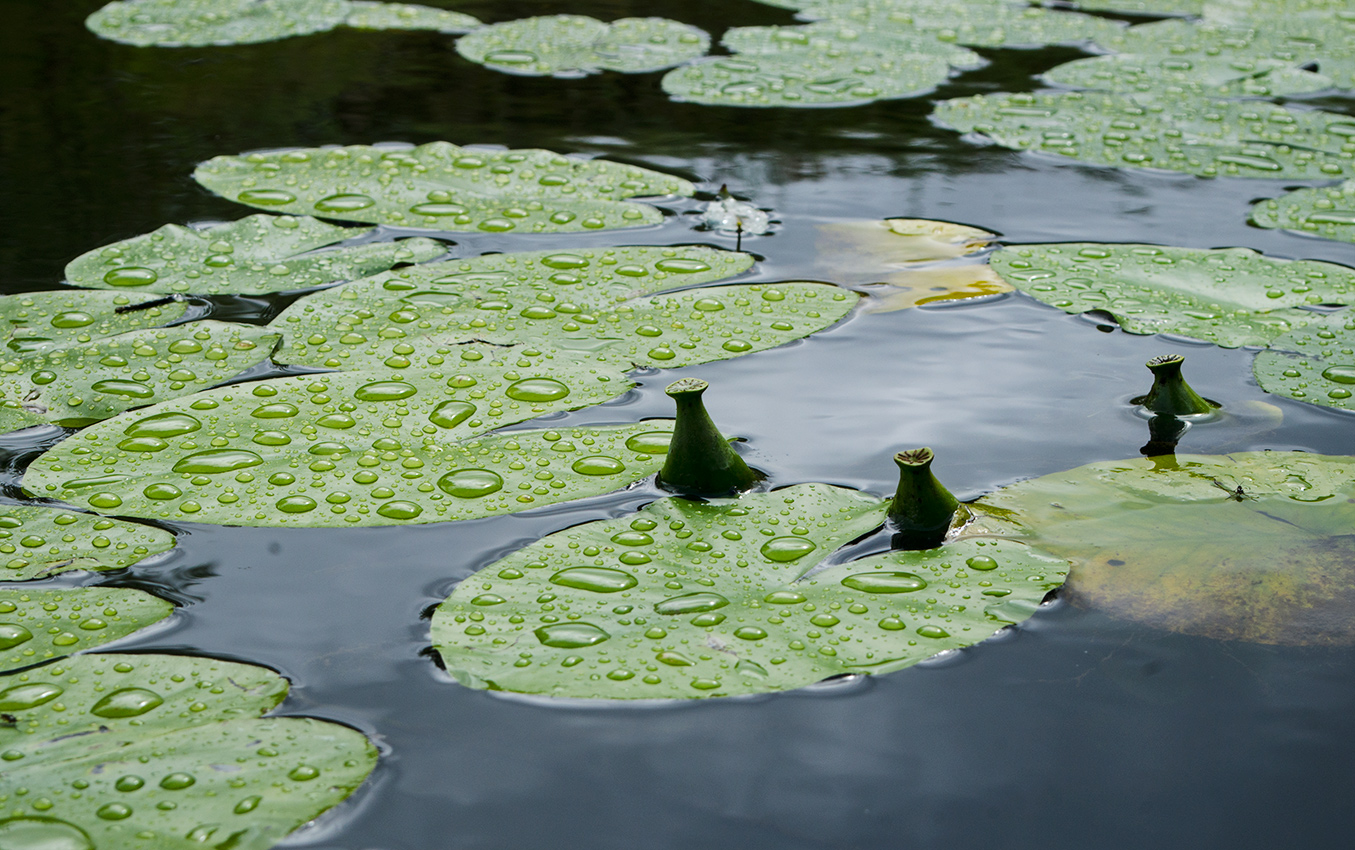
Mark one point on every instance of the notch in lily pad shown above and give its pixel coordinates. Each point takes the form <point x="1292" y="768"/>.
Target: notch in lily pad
<point x="1170" y="394"/>
<point x="923" y="510"/>
<point x="700" y="461"/>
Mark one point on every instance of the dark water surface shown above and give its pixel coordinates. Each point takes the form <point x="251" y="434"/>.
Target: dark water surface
<point x="1069" y="731"/>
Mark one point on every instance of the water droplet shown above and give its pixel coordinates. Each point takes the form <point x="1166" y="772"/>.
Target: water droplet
<point x="38" y="833"/>
<point x="265" y="197"/>
<point x="248" y="805"/>
<point x="344" y="203"/>
<point x="34" y="694"/>
<point x="678" y="265"/>
<point x="162" y="492"/>
<point x="510" y="57"/>
<point x="564" y="261"/>
<point x="399" y="510"/>
<point x="384" y="391"/>
<point x="143" y="444"/>
<point x="435" y="209"/>
<point x="126" y="702"/>
<point x="177" y="781"/>
<point x="892" y="624"/>
<point x="570" y="635"/>
<point x="982" y="563"/>
<point x="13" y="634"/>
<point x="884" y="582"/>
<point x="296" y="504"/>
<point x="784" y="597"/>
<point x="119" y="386"/>
<point x="932" y="632"/>
<point x="72" y="319"/>
<point x="105" y="500"/>
<point x="303" y="773"/>
<point x="750" y="633"/>
<point x="131" y="276"/>
<point x="163" y="425"/>
<point x="537" y="389"/>
<point x="277" y="410"/>
<point x="784" y="549"/>
<point x="470" y="483"/>
<point x="632" y="538"/>
<point x="650" y="442"/>
<point x="598" y="465"/>
<point x="596" y="579"/>
<point x="708" y="305"/>
<point x="1340" y="374"/>
<point x="214" y="461"/>
<point x="129" y="783"/>
<point x="690" y="603"/>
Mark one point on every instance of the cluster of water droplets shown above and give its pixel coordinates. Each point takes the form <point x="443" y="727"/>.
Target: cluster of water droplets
<point x="574" y="45"/>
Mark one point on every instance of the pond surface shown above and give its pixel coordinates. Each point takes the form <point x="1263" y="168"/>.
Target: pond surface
<point x="1070" y="730"/>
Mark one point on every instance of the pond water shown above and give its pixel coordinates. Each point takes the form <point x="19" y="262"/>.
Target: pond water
<point x="1069" y="730"/>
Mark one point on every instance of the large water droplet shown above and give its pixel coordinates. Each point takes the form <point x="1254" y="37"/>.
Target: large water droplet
<point x="537" y="389"/>
<point x="131" y="276"/>
<point x="296" y="504"/>
<point x="450" y="414"/>
<point x="163" y="426"/>
<point x="118" y="386"/>
<point x="690" y="603"/>
<point x="72" y="319"/>
<point x="470" y="483"/>
<point x="933" y="632"/>
<point x="214" y="461"/>
<point x="126" y="702"/>
<point x="1340" y="374"/>
<point x="32" y="695"/>
<point x="384" y="391"/>
<point x="344" y="203"/>
<point x="278" y="410"/>
<point x="982" y="563"/>
<point x="178" y="781"/>
<point x="399" y="510"/>
<point x="42" y="834"/>
<point x="650" y="442"/>
<point x="13" y="634"/>
<point x="596" y="579"/>
<point x="885" y="582"/>
<point x="785" y="549"/>
<point x="265" y="197"/>
<point x="598" y="465"/>
<point x="571" y="635"/>
<point x="564" y="261"/>
<point x="679" y="265"/>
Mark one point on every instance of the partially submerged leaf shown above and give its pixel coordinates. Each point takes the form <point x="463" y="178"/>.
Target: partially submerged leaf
<point x="1328" y="212"/>
<point x="1193" y="135"/>
<point x="200" y="23"/>
<point x="39" y="542"/>
<point x="1172" y="76"/>
<point x="977" y="23"/>
<point x="39" y="625"/>
<point x="1322" y="368"/>
<point x="1231" y="297"/>
<point x="444" y="187"/>
<point x="573" y="45"/>
<point x="1253" y="546"/>
<point x="700" y="599"/>
<point x="77" y="385"/>
<point x="366" y="15"/>
<point x="167" y="748"/>
<point x="256" y="255"/>
<point x="34" y="321"/>
<point x="805" y="78"/>
<point x="838" y="38"/>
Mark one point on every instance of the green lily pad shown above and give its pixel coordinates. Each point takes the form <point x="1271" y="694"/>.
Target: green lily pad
<point x="1322" y="368"/>
<point x="1230" y="297"/>
<point x="444" y="187"/>
<point x="201" y="23"/>
<point x="805" y="78"/>
<point x="39" y="542"/>
<point x="1195" y="136"/>
<point x="35" y="321"/>
<point x="77" y="385"/>
<point x="365" y="15"/>
<point x="1328" y="212"/>
<point x="976" y="24"/>
<point x="1144" y="7"/>
<point x="703" y="599"/>
<point x="39" y="625"/>
<point x="574" y="45"/>
<point x="256" y="255"/>
<point x="1170" y="76"/>
<point x="389" y="446"/>
<point x="836" y="38"/>
<point x="1173" y="543"/>
<point x="118" y="751"/>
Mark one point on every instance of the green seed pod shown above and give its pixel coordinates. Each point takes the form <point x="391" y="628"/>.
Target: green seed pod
<point x="1170" y="393"/>
<point x="922" y="509"/>
<point x="700" y="460"/>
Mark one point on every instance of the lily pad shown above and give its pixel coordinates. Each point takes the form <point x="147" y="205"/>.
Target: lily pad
<point x="256" y="255"/>
<point x="39" y="542"/>
<point x="977" y="24"/>
<point x="1144" y="7"/>
<point x="805" y="78"/>
<point x="836" y="38"/>
<point x="444" y="187"/>
<point x="1328" y="212"/>
<point x="39" y="625"/>
<point x="201" y="23"/>
<point x="77" y="385"/>
<point x="1231" y="297"/>
<point x="365" y="15"/>
<point x="574" y="45"/>
<point x="35" y="321"/>
<point x="1322" y="368"/>
<point x="703" y="599"/>
<point x="117" y="751"/>
<point x="1196" y="136"/>
<point x="1174" y="543"/>
<point x="1170" y="75"/>
<point x="389" y="446"/>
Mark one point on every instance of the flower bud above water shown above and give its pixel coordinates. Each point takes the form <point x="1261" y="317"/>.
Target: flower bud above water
<point x="700" y="460"/>
<point x="1170" y="393"/>
<point x="923" y="509"/>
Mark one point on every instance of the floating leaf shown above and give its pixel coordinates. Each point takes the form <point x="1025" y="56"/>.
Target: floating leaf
<point x="702" y="599"/>
<point x="42" y="320"/>
<point x="1322" y="369"/>
<point x="39" y="625"/>
<point x="1174" y="543"/>
<point x="804" y="78"/>
<point x="445" y="187"/>
<point x="837" y="38"/>
<point x="256" y="255"/>
<point x="201" y="23"/>
<point x="77" y="385"/>
<point x="1230" y="297"/>
<point x="388" y="446"/>
<point x="39" y="542"/>
<point x="1196" y="136"/>
<point x="168" y="749"/>
<point x="365" y="15"/>
<point x="1144" y="7"/>
<point x="1328" y="212"/>
<point x="1170" y="75"/>
<point x="574" y="45"/>
<point x="979" y="24"/>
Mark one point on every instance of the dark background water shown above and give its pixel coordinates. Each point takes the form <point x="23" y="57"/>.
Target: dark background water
<point x="1071" y="730"/>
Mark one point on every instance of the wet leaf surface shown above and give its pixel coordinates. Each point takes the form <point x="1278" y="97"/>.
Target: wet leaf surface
<point x="804" y="78"/>
<point x="256" y="255"/>
<point x="35" y="321"/>
<point x="1169" y="75"/>
<point x="1328" y="212"/>
<point x="698" y="599"/>
<point x="574" y="45"/>
<point x="39" y="542"/>
<point x="1321" y="367"/>
<point x="39" y="625"/>
<point x="444" y="187"/>
<point x="200" y="23"/>
<point x="366" y="15"/>
<point x="838" y="38"/>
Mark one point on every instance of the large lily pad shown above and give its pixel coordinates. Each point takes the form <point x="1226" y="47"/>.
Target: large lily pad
<point x="1144" y="7"/>
<point x="1172" y="76"/>
<point x="445" y="187"/>
<point x="1321" y="369"/>
<point x="200" y="23"/>
<point x="39" y="625"/>
<point x="77" y="385"/>
<point x="805" y="78"/>
<point x="978" y="24"/>
<point x="366" y="15"/>
<point x="389" y="446"/>
<point x="39" y="542"/>
<point x="574" y="45"/>
<point x="1231" y="297"/>
<point x="256" y="255"/>
<point x="1203" y="137"/>
<point x="1176" y="544"/>
<point x="702" y="599"/>
<point x="1328" y="212"/>
<point x="40" y="320"/>
<point x="122" y="751"/>
<point x="839" y="37"/>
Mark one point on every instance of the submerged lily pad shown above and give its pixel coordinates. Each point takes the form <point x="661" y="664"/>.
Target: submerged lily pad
<point x="39" y="542"/>
<point x="1174" y="543"/>
<point x="1328" y="212"/>
<point x="574" y="45"/>
<point x="35" y="321"/>
<point x="169" y="749"/>
<point x="1193" y="135"/>
<point x="444" y="187"/>
<point x="1230" y="297"/>
<point x="1322" y="368"/>
<point x="703" y="599"/>
<point x="805" y="78"/>
<point x="39" y="625"/>
<point x="77" y="385"/>
<point x="365" y="15"/>
<point x="201" y="23"/>
<point x="256" y="255"/>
